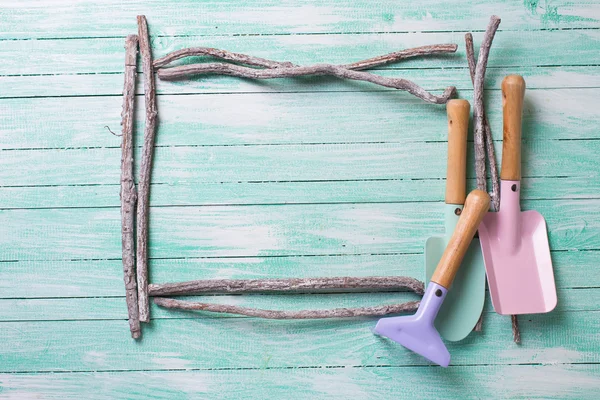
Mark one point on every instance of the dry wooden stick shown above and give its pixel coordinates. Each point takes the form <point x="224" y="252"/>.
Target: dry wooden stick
<point x="483" y="133"/>
<point x="515" y="329"/>
<point x="472" y="63"/>
<point x="484" y="51"/>
<point x="488" y="139"/>
<point x="262" y="62"/>
<point x="222" y="54"/>
<point x="311" y="285"/>
<point x="145" y="169"/>
<point x="401" y="55"/>
<point x="128" y="192"/>
<point x="410" y="306"/>
<point x="320" y="69"/>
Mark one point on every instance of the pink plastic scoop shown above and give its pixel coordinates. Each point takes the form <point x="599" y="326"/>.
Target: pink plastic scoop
<point x="515" y="245"/>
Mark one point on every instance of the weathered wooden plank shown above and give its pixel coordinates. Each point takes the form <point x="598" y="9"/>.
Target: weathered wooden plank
<point x="113" y="308"/>
<point x="105" y="55"/>
<point x="89" y="19"/>
<point x="36" y="279"/>
<point x="208" y="343"/>
<point x="220" y="231"/>
<point x="110" y="84"/>
<point x="101" y="278"/>
<point x="61" y="309"/>
<point x="493" y="381"/>
<point x="363" y="191"/>
<point x="282" y="118"/>
<point x="259" y="163"/>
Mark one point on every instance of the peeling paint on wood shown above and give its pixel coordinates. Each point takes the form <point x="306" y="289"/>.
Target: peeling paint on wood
<point x="290" y="178"/>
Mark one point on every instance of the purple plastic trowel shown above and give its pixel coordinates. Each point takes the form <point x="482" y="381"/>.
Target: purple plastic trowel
<point x="417" y="332"/>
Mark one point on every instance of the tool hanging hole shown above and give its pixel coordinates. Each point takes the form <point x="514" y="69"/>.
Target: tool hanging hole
<point x="458" y="211"/>
<point x="514" y="187"/>
<point x="438" y="293"/>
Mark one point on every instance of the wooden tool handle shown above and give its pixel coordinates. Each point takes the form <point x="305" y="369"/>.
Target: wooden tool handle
<point x="458" y="127"/>
<point x="513" y="92"/>
<point x="476" y="205"/>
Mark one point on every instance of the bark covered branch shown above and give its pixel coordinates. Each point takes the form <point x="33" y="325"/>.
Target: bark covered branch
<point x="145" y="169"/>
<point x="128" y="192"/>
<point x="310" y="285"/>
<point x="262" y="62"/>
<point x="402" y="55"/>
<point x="484" y="144"/>
<point x="289" y="72"/>
<point x="276" y="314"/>
<point x="221" y="54"/>
<point x="488" y="139"/>
<point x="480" y="68"/>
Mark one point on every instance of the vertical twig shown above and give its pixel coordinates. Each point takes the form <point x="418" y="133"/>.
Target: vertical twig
<point x="489" y="140"/>
<point x="478" y="113"/>
<point x="515" y="329"/>
<point x="483" y="132"/>
<point x="472" y="65"/>
<point x="145" y="169"/>
<point x="128" y="193"/>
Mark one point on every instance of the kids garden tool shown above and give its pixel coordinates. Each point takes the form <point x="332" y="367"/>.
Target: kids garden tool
<point x="417" y="332"/>
<point x="514" y="243"/>
<point x="463" y="305"/>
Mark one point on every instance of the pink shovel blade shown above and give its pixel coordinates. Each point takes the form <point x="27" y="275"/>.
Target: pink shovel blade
<point x="517" y="258"/>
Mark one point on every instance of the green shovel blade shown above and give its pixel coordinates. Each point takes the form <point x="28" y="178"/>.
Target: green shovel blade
<point x="463" y="304"/>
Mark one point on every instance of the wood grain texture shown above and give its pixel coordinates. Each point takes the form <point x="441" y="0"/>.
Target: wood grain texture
<point x="272" y="17"/>
<point x="513" y="93"/>
<point x="98" y="345"/>
<point x="111" y="308"/>
<point x="275" y="230"/>
<point x="456" y="170"/>
<point x="281" y="179"/>
<point x="109" y="84"/>
<point x="102" y="278"/>
<point x="574" y="47"/>
<point x="294" y="192"/>
<point x="295" y="162"/>
<point x="284" y="118"/>
<point x="543" y="381"/>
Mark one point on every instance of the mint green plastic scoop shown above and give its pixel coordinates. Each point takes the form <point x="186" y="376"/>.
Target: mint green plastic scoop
<point x="463" y="305"/>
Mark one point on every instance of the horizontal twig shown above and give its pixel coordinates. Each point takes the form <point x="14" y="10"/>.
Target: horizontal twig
<point x="410" y="306"/>
<point x="402" y="55"/>
<point x="185" y="71"/>
<point x="262" y="62"/>
<point x="312" y="285"/>
<point x="222" y="54"/>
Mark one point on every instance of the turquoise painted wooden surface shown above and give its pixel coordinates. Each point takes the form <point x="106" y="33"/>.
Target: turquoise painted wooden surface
<point x="286" y="178"/>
